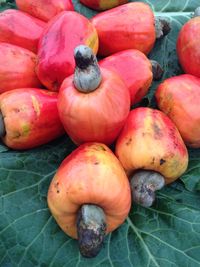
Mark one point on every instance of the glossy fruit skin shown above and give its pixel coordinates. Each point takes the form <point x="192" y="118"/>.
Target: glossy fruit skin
<point x="31" y="117"/>
<point x="56" y="47"/>
<point x="97" y="116"/>
<point x="133" y="25"/>
<point x="19" y="28"/>
<point x="179" y="98"/>
<point x="188" y="49"/>
<point x="91" y="174"/>
<point x="151" y="141"/>
<point x="44" y="9"/>
<point x="135" y="70"/>
<point x="102" y="4"/>
<point x="17" y="68"/>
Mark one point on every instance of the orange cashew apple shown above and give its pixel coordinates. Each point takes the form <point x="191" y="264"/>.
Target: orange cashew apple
<point x="89" y="195"/>
<point x="44" y="9"/>
<point x="19" y="28"/>
<point x="129" y="26"/>
<point x="151" y="151"/>
<point x="94" y="103"/>
<point x="17" y="68"/>
<point x="29" y="118"/>
<point x="179" y="98"/>
<point x="102" y="4"/>
<point x="134" y="68"/>
<point x="187" y="45"/>
<point x="56" y="47"/>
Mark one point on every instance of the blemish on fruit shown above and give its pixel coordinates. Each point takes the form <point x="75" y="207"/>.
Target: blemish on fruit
<point x="157" y="131"/>
<point x="36" y="105"/>
<point x="55" y="85"/>
<point x="102" y="148"/>
<point x="129" y="141"/>
<point x="162" y="161"/>
<point x="153" y="160"/>
<point x="25" y="129"/>
<point x="56" y="185"/>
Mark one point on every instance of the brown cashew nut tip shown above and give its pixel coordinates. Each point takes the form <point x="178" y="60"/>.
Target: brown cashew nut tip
<point x="157" y="70"/>
<point x="91" y="228"/>
<point x="162" y="27"/>
<point x="87" y="75"/>
<point x="143" y="187"/>
<point x="2" y="126"/>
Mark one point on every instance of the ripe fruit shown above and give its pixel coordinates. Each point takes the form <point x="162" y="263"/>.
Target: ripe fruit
<point x="17" y="68"/>
<point x="102" y="4"/>
<point x="44" y="9"/>
<point x="188" y="49"/>
<point x="56" y="47"/>
<point x="130" y="26"/>
<point x="19" y="28"/>
<point x="29" y="118"/>
<point x="179" y="98"/>
<point x="89" y="196"/>
<point x="135" y="70"/>
<point x="150" y="142"/>
<point x="94" y="103"/>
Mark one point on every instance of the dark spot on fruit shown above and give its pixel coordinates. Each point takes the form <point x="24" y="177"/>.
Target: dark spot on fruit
<point x="153" y="161"/>
<point x="102" y="148"/>
<point x="55" y="85"/>
<point x="157" y="131"/>
<point x="162" y="161"/>
<point x="96" y="163"/>
<point x="56" y="187"/>
<point x="129" y="141"/>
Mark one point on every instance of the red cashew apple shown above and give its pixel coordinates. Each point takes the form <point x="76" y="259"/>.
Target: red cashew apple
<point x="17" y="68"/>
<point x="135" y="70"/>
<point x="102" y="4"/>
<point x="56" y="47"/>
<point x="129" y="26"/>
<point x="188" y="49"/>
<point x="19" y="28"/>
<point x="151" y="151"/>
<point x="94" y="103"/>
<point x="179" y="98"/>
<point x="44" y="9"/>
<point x="29" y="118"/>
<point x="89" y="196"/>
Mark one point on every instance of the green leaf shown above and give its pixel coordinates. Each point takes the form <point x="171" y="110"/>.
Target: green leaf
<point x="167" y="234"/>
<point x="191" y="178"/>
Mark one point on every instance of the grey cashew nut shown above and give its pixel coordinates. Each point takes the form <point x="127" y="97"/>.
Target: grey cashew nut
<point x="162" y="27"/>
<point x="87" y="76"/>
<point x="157" y="70"/>
<point x="197" y="12"/>
<point x="143" y="186"/>
<point x="91" y="226"/>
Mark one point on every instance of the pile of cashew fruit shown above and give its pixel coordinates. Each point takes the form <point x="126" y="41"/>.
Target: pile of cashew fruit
<point x="64" y="74"/>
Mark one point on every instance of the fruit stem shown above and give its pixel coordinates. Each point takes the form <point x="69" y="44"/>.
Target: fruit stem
<point x="2" y="126"/>
<point x="162" y="27"/>
<point x="143" y="186"/>
<point x="157" y="70"/>
<point x="87" y="76"/>
<point x="91" y="227"/>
